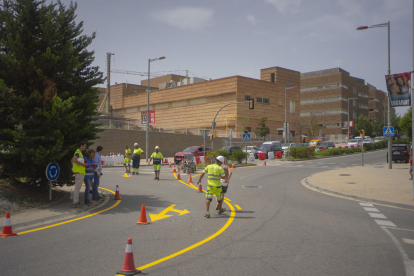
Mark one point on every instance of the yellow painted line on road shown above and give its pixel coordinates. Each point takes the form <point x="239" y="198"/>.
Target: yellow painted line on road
<point x="65" y="222"/>
<point x="232" y="214"/>
<point x="237" y="206"/>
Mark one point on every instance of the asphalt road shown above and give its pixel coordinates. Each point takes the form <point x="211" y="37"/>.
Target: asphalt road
<point x="281" y="228"/>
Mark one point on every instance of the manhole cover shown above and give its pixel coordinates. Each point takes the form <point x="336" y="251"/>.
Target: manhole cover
<point x="251" y="186"/>
<point x="344" y="174"/>
<point x="351" y="183"/>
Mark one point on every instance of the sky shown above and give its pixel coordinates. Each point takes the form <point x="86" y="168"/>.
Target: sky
<point x="220" y="38"/>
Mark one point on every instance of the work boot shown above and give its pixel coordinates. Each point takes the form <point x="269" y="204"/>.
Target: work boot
<point x="133" y="173"/>
<point x="207" y="215"/>
<point x="222" y="210"/>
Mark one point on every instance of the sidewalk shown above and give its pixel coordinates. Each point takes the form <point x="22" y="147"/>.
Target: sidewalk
<point x="61" y="209"/>
<point x="374" y="183"/>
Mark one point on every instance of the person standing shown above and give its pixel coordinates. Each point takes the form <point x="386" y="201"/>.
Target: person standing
<point x="98" y="173"/>
<point x="127" y="159"/>
<point x="157" y="158"/>
<point x="78" y="167"/>
<point x="136" y="159"/>
<point x="226" y="180"/>
<point x="89" y="173"/>
<point x="215" y="173"/>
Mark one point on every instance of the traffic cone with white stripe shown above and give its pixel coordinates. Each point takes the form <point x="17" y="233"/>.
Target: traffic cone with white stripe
<point x="174" y="169"/>
<point x="117" y="197"/>
<point x="129" y="266"/>
<point x="169" y="166"/>
<point x="232" y="166"/>
<point x="178" y="175"/>
<point x="7" y="228"/>
<point x="190" y="179"/>
<point x="200" y="188"/>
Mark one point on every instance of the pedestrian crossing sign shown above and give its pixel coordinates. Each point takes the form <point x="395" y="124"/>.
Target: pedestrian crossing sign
<point x="389" y="131"/>
<point x="246" y="137"/>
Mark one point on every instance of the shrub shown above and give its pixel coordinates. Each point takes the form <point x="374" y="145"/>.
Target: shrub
<point x="300" y="152"/>
<point x="238" y="155"/>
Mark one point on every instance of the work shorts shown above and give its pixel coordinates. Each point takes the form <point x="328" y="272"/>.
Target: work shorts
<point x="127" y="161"/>
<point x="212" y="190"/>
<point x="157" y="168"/>
<point x="224" y="189"/>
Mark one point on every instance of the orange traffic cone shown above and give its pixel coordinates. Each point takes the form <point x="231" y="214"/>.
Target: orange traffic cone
<point x="143" y="217"/>
<point x="190" y="180"/>
<point x="178" y="175"/>
<point x="117" y="197"/>
<point x="200" y="188"/>
<point x="7" y="228"/>
<point x="232" y="166"/>
<point x="129" y="267"/>
<point x="174" y="169"/>
<point x="169" y="166"/>
<point x="264" y="164"/>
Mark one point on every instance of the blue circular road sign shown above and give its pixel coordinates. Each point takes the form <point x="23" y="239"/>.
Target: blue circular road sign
<point x="52" y="171"/>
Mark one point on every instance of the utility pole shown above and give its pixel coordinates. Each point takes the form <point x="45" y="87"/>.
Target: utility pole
<point x="108" y="81"/>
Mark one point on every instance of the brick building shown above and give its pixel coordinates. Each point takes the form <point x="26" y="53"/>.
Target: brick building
<point x="325" y="94"/>
<point x="179" y="102"/>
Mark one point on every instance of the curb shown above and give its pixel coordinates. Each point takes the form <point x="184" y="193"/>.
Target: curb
<point x="73" y="212"/>
<point x="305" y="182"/>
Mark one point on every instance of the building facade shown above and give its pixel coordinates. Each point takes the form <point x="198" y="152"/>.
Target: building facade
<point x="327" y="96"/>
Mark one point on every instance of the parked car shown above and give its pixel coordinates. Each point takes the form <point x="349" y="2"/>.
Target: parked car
<point x="286" y="146"/>
<point x="400" y="153"/>
<point x="231" y="148"/>
<point x="315" y="142"/>
<point x="267" y="147"/>
<point x="195" y="150"/>
<point x="325" y="145"/>
<point x="354" y="142"/>
<point x="250" y="149"/>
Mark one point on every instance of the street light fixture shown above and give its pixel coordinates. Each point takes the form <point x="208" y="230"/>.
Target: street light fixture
<point x="285" y="125"/>
<point x="389" y="73"/>
<point x="356" y="98"/>
<point x="148" y="92"/>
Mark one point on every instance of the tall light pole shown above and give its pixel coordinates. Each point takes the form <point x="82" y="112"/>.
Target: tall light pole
<point x="356" y="98"/>
<point x="285" y="125"/>
<point x="389" y="73"/>
<point x="148" y="94"/>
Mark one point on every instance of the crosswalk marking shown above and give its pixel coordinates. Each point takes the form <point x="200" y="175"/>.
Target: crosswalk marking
<point x="371" y="209"/>
<point x="376" y="215"/>
<point x="366" y="204"/>
<point x="384" y="223"/>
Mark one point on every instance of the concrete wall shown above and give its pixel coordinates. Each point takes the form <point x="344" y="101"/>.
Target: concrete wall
<point x="115" y="140"/>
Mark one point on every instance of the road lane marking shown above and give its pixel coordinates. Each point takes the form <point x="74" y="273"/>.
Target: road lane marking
<point x="371" y="209"/>
<point x="408" y="241"/>
<point x="366" y="204"/>
<point x="408" y="264"/>
<point x="376" y="215"/>
<point x="126" y="175"/>
<point x="163" y="214"/>
<point x="237" y="206"/>
<point x="385" y="223"/>
<point x="72" y="220"/>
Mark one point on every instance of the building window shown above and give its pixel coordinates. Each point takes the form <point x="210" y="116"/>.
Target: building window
<point x="272" y="77"/>
<point x="249" y="129"/>
<point x="292" y="107"/>
<point x="323" y="87"/>
<point x="262" y="100"/>
<point x="247" y="97"/>
<point x="293" y="133"/>
<point x="280" y="132"/>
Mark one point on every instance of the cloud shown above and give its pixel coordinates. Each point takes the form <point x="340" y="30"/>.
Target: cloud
<point x="187" y="18"/>
<point x="251" y="19"/>
<point x="285" y="5"/>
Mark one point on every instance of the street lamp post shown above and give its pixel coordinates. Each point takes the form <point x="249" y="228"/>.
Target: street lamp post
<point x="389" y="73"/>
<point x="356" y="98"/>
<point x="148" y="95"/>
<point x="285" y="125"/>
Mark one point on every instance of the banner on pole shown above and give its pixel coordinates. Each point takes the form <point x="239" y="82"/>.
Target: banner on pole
<point x="399" y="89"/>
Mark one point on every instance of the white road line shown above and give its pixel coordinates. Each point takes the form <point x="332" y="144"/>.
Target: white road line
<point x="371" y="209"/>
<point x="409" y="264"/>
<point x="366" y="204"/>
<point x="408" y="241"/>
<point x="376" y="215"/>
<point x="385" y="223"/>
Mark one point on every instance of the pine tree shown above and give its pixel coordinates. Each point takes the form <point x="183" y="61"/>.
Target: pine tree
<point x="47" y="98"/>
<point x="263" y="129"/>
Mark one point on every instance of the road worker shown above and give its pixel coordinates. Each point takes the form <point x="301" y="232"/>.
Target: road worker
<point x="157" y="158"/>
<point x="127" y="160"/>
<point x="136" y="159"/>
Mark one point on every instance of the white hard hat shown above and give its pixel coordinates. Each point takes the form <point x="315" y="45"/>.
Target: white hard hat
<point x="157" y="147"/>
<point x="220" y="158"/>
<point x="136" y="145"/>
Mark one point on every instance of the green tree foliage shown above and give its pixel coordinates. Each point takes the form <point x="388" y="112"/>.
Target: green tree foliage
<point x="47" y="97"/>
<point x="263" y="130"/>
<point x="239" y="156"/>
<point x="314" y="126"/>
<point x="405" y="124"/>
<point x="364" y="123"/>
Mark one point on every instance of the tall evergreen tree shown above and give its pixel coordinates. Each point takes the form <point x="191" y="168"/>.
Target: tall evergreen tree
<point x="47" y="98"/>
<point x="263" y="129"/>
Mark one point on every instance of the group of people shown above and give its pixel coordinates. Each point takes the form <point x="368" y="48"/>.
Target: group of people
<point x="219" y="175"/>
<point x="88" y="170"/>
<point x="156" y="157"/>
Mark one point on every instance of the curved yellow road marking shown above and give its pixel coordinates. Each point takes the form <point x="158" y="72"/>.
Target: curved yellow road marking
<point x="61" y="223"/>
<point x="222" y="229"/>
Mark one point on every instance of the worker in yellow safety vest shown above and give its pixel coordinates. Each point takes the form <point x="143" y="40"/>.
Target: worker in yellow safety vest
<point x="78" y="167"/>
<point x="136" y="159"/>
<point x="157" y="158"/>
<point x="127" y="159"/>
<point x="215" y="173"/>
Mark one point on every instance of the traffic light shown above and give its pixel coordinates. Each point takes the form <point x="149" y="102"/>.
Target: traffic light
<point x="362" y="133"/>
<point x="251" y="104"/>
<point x="211" y="137"/>
<point x="214" y="135"/>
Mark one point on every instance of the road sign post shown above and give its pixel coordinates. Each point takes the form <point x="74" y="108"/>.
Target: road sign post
<point x="52" y="173"/>
<point x="230" y="135"/>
